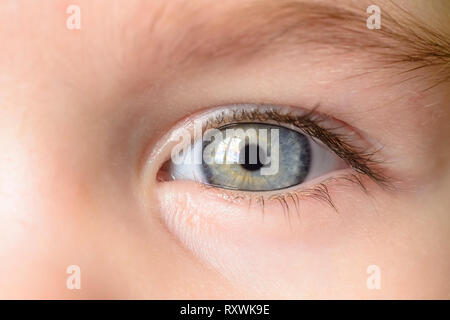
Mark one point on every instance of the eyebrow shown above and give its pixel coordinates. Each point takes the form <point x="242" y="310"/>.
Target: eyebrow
<point x="265" y="26"/>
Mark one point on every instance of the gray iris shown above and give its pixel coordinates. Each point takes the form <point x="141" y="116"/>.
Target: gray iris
<point x="278" y="159"/>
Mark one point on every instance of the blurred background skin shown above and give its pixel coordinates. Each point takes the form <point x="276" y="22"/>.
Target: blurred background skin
<point x="72" y="133"/>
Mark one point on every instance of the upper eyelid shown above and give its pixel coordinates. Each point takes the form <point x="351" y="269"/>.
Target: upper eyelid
<point x="363" y="159"/>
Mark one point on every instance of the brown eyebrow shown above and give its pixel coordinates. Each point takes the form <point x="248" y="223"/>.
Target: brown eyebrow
<point x="261" y="27"/>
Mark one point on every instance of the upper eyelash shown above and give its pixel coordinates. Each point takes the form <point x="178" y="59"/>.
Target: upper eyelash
<point x="361" y="161"/>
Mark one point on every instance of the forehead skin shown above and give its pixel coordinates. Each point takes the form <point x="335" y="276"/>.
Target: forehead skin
<point x="144" y="35"/>
<point x="61" y="90"/>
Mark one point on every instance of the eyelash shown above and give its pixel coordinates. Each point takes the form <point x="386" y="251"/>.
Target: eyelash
<point x="363" y="163"/>
<point x="309" y="124"/>
<point x="319" y="192"/>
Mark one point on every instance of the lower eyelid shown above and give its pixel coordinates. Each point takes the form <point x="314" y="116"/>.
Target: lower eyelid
<point x="206" y="220"/>
<point x="189" y="196"/>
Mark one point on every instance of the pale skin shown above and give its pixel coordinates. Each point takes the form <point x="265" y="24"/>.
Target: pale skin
<point x="84" y="117"/>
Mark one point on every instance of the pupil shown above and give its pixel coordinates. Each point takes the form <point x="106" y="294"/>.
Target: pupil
<point x="251" y="165"/>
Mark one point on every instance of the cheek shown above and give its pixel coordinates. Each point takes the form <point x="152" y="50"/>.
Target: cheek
<point x="275" y="250"/>
<point x="56" y="209"/>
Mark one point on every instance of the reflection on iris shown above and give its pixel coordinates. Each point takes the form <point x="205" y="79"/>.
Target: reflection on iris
<point x="244" y="161"/>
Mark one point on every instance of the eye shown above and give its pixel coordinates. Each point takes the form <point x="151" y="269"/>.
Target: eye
<point x="216" y="172"/>
<point x="253" y="157"/>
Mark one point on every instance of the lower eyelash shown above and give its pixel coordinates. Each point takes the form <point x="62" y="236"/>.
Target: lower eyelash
<point x="292" y="199"/>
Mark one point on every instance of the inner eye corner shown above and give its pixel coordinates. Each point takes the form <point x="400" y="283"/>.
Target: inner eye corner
<point x="163" y="172"/>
